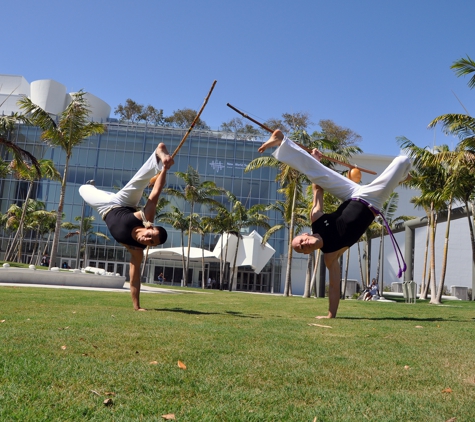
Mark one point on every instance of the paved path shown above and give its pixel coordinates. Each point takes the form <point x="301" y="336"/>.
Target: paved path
<point x="125" y="289"/>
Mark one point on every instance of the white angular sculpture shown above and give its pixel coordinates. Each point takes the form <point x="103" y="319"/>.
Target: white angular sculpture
<point x="251" y="251"/>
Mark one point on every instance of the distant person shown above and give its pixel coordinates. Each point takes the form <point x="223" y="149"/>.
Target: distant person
<point x="45" y="260"/>
<point x="208" y="283"/>
<point x="161" y="278"/>
<point x="131" y="227"/>
<point x="372" y="291"/>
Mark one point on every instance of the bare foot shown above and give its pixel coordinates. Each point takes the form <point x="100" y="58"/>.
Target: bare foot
<point x="141" y="309"/>
<point x="316" y="154"/>
<point x="328" y="316"/>
<point x="274" y="141"/>
<point x="162" y="154"/>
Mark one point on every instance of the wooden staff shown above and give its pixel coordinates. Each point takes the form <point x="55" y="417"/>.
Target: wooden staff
<point x="194" y="121"/>
<point x="351" y="166"/>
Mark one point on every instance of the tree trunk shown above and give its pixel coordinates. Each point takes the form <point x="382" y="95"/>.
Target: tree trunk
<point x="203" y="275"/>
<point x="361" y="266"/>
<point x="472" y="240"/>
<point x="424" y="282"/>
<point x="59" y="216"/>
<point x="183" y="262"/>
<point x="308" y="276"/>
<point x="221" y="265"/>
<point x="345" y="277"/>
<point x="288" y="279"/>
<point x="234" y="265"/>
<point x="313" y="284"/>
<point x="440" y="291"/>
<point x="22" y="219"/>
<point x="433" y="291"/>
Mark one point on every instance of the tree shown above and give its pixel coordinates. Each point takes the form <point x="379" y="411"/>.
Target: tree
<point x="134" y="112"/>
<point x="183" y="118"/>
<point x="240" y="218"/>
<point x="71" y="129"/>
<point x="202" y="226"/>
<point x="430" y="178"/>
<point x="241" y="130"/>
<point x="86" y="229"/>
<point x="43" y="222"/>
<point x="341" y="136"/>
<point x="290" y="122"/>
<point x="176" y="218"/>
<point x="291" y="182"/>
<point x="195" y="192"/>
<point x="30" y="174"/>
<point x="22" y="158"/>
<point x="463" y="158"/>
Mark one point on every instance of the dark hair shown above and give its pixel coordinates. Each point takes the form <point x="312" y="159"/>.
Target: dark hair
<point x="162" y="235"/>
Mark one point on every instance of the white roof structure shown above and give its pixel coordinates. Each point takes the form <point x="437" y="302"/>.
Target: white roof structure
<point x="251" y="251"/>
<point x="176" y="253"/>
<point x="49" y="94"/>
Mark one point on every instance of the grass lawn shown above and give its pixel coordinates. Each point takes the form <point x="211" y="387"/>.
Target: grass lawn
<point x="248" y="358"/>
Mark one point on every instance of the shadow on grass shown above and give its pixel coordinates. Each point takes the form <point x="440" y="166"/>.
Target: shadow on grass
<point x="404" y="319"/>
<point x="193" y="312"/>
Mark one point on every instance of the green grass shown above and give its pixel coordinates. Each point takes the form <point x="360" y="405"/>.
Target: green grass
<point x="248" y="357"/>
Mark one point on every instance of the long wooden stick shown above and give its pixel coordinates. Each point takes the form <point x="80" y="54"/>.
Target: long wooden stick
<point x="194" y="121"/>
<point x="351" y="166"/>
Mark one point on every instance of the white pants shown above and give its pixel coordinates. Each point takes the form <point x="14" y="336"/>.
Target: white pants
<point x="376" y="192"/>
<point x="128" y="196"/>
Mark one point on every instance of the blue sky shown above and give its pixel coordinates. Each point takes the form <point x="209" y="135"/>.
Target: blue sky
<point x="380" y="68"/>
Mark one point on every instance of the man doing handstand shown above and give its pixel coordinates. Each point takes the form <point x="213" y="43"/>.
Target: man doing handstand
<point x="128" y="226"/>
<point x="334" y="233"/>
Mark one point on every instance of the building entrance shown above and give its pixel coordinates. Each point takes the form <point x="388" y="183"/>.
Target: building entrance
<point x="252" y="282"/>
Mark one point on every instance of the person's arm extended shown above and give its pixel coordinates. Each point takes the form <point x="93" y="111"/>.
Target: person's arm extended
<point x="151" y="205"/>
<point x="134" y="275"/>
<point x="333" y="265"/>
<point x="317" y="208"/>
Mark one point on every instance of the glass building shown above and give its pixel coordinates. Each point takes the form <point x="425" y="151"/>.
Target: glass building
<point x="112" y="158"/>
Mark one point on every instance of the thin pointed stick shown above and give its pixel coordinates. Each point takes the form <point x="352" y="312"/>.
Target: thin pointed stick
<point x="194" y="121"/>
<point x="351" y="166"/>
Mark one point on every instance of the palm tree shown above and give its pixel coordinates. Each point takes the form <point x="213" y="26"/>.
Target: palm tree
<point x="430" y="178"/>
<point x="84" y="228"/>
<point x="294" y="219"/>
<point x="463" y="158"/>
<point x="240" y="218"/>
<point x="220" y="224"/>
<point x="195" y="192"/>
<point x="43" y="222"/>
<point x="202" y="226"/>
<point x="11" y="222"/>
<point x="176" y="218"/>
<point x="24" y="172"/>
<point x="20" y="156"/>
<point x="291" y="181"/>
<point x="69" y="131"/>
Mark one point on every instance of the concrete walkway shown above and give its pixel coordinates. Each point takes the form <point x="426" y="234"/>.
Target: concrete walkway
<point x="124" y="289"/>
<point x="30" y="277"/>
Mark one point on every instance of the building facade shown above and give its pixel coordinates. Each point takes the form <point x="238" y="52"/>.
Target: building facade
<point x="112" y="158"/>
